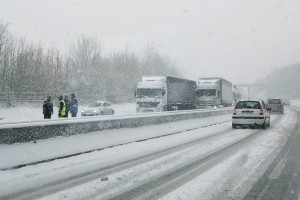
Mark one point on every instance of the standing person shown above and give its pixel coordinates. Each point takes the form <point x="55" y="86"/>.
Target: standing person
<point x="73" y="106"/>
<point x="48" y="108"/>
<point x="62" y="108"/>
<point x="67" y="101"/>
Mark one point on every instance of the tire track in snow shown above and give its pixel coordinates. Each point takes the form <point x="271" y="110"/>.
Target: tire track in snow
<point x="65" y="183"/>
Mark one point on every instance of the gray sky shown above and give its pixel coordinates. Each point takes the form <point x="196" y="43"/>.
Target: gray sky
<point x="241" y="40"/>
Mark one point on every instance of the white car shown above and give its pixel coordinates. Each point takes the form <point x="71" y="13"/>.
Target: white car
<point x="98" y="108"/>
<point x="249" y="113"/>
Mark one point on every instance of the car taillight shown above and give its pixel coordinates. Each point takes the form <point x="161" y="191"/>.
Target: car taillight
<point x="261" y="111"/>
<point x="234" y="111"/>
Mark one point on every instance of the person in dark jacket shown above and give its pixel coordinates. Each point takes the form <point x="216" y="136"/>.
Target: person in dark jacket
<point x="67" y="101"/>
<point x="48" y="108"/>
<point x="62" y="107"/>
<point x="73" y="106"/>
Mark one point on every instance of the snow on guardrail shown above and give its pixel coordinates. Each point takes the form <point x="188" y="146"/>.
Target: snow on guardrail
<point x="37" y="130"/>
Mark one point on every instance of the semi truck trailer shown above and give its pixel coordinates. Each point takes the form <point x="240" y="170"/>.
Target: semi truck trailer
<point x="165" y="93"/>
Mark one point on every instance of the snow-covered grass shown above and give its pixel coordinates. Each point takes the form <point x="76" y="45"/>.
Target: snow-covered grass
<point x="295" y="102"/>
<point x="34" y="113"/>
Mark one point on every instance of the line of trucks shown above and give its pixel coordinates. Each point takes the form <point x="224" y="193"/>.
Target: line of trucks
<point x="168" y="93"/>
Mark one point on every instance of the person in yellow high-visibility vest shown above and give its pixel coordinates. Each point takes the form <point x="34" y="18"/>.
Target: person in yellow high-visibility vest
<point x="62" y="108"/>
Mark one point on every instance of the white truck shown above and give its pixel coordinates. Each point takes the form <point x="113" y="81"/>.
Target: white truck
<point x="165" y="93"/>
<point x="214" y="92"/>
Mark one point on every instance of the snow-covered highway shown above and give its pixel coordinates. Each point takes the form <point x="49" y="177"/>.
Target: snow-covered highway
<point x="190" y="159"/>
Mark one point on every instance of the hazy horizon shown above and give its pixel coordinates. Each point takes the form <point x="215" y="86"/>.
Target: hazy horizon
<point x="242" y="41"/>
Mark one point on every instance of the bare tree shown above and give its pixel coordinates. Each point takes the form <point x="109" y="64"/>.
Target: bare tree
<point x="30" y="71"/>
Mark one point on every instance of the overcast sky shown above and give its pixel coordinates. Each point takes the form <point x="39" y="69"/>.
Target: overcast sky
<point x="241" y="40"/>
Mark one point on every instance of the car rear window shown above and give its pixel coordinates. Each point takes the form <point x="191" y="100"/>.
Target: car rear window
<point x="275" y="101"/>
<point x="248" y="105"/>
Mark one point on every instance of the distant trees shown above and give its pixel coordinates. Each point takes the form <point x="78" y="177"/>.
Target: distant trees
<point x="28" y="71"/>
<point x="284" y="82"/>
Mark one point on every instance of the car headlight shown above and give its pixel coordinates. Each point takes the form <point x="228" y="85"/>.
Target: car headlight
<point x="82" y="111"/>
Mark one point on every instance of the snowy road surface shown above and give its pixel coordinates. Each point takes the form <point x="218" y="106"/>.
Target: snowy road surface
<point x="192" y="159"/>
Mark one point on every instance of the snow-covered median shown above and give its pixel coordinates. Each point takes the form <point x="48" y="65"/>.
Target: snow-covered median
<point x="295" y="102"/>
<point x="62" y="146"/>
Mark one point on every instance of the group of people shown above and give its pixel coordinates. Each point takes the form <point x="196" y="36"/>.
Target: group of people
<point x="65" y="106"/>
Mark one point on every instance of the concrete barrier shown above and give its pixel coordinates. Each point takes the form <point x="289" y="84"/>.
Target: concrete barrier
<point x="32" y="131"/>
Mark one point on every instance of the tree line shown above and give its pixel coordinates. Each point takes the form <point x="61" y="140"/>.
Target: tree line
<point x="28" y="69"/>
<point x="284" y="82"/>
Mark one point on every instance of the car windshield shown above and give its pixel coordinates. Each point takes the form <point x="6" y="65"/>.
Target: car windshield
<point x="91" y="105"/>
<point x="205" y="92"/>
<point x="94" y="104"/>
<point x="248" y="105"/>
<point x="148" y="92"/>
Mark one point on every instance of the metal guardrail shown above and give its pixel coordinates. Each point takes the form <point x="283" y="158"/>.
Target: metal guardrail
<point x="32" y="131"/>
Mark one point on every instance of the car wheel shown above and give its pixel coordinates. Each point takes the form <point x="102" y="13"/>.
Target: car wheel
<point x="113" y="112"/>
<point x="263" y="126"/>
<point x="165" y="108"/>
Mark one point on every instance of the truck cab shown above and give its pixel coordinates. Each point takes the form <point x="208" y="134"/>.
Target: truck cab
<point x="151" y="94"/>
<point x="208" y="92"/>
<point x="214" y="92"/>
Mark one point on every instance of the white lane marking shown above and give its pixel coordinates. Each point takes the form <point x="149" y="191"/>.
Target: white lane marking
<point x="274" y="175"/>
<point x="278" y="169"/>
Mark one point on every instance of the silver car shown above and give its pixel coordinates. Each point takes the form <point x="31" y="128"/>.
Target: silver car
<point x="253" y="113"/>
<point x="98" y="108"/>
<point x="276" y="105"/>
